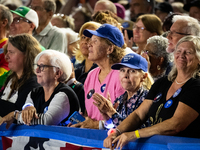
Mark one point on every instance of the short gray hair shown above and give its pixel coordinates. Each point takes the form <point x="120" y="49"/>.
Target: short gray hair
<point x="160" y="44"/>
<point x="196" y="42"/>
<point x="59" y="60"/>
<point x="50" y="5"/>
<point x="6" y="14"/>
<point x="193" y="26"/>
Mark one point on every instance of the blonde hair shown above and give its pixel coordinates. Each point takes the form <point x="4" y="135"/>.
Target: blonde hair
<point x="88" y="25"/>
<point x="148" y="81"/>
<point x="196" y="42"/>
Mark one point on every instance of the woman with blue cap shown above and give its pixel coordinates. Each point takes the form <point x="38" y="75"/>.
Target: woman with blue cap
<point x="172" y="105"/>
<point x="135" y="80"/>
<point x="106" y="47"/>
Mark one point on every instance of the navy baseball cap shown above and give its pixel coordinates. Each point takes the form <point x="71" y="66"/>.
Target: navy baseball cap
<point x="109" y="32"/>
<point x="192" y="3"/>
<point x="132" y="60"/>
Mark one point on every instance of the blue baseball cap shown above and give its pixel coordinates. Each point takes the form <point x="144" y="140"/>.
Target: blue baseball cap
<point x="132" y="60"/>
<point x="109" y="32"/>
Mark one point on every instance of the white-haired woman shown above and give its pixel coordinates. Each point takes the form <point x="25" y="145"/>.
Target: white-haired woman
<point x="52" y="103"/>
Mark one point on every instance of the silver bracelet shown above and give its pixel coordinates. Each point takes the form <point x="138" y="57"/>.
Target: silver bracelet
<point x="15" y="114"/>
<point x="118" y="131"/>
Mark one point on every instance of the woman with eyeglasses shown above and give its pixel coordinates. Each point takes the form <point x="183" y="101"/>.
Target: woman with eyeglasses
<point x="145" y="27"/>
<point x="172" y="105"/>
<point x="157" y="56"/>
<point x="52" y="103"/>
<point x="20" y="53"/>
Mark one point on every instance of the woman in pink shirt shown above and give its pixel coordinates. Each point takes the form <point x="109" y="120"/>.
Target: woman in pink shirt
<point x="106" y="47"/>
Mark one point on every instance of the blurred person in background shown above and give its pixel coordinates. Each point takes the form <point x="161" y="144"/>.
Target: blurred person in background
<point x="193" y="8"/>
<point x="105" y="5"/>
<point x="162" y="10"/>
<point x="145" y="27"/>
<point x="182" y="26"/>
<point x="138" y="7"/>
<point x="6" y="19"/>
<point x="47" y="35"/>
<point x="78" y="88"/>
<point x="66" y="23"/>
<point x="168" y="23"/>
<point x="80" y="16"/>
<point x="62" y="21"/>
<point x="159" y="61"/>
<point x="178" y="7"/>
<point x="86" y="65"/>
<point x="25" y="20"/>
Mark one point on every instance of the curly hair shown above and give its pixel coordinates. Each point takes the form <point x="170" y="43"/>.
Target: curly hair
<point x="106" y="16"/>
<point x="159" y="44"/>
<point x="117" y="54"/>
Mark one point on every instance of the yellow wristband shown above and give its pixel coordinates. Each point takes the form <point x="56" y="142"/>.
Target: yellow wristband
<point x="137" y="134"/>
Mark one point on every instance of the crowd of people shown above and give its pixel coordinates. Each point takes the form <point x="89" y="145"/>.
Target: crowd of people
<point x="129" y="67"/>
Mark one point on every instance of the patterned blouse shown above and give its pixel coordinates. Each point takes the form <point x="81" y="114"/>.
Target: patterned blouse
<point x="125" y="107"/>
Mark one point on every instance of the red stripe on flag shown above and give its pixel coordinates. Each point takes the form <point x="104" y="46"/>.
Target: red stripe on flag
<point x="6" y="142"/>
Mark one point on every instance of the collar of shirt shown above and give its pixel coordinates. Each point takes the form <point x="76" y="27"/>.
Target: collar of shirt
<point x="45" y="30"/>
<point x="71" y="81"/>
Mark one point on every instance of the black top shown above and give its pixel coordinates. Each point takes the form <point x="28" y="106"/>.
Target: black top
<point x="7" y="107"/>
<point x="163" y="109"/>
<point x="80" y="73"/>
<point x="79" y="90"/>
<point x="37" y="96"/>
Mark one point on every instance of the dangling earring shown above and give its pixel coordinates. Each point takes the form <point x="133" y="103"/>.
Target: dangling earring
<point x="158" y="67"/>
<point x="108" y="55"/>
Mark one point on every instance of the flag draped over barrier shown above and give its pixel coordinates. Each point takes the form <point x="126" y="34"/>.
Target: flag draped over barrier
<point x="19" y="137"/>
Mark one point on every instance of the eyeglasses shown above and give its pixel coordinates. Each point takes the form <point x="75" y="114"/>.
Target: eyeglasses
<point x="19" y="19"/>
<point x="148" y="52"/>
<point x="41" y="67"/>
<point x="174" y="32"/>
<point x="140" y="29"/>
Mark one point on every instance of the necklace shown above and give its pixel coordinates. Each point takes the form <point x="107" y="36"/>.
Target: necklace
<point x="181" y="82"/>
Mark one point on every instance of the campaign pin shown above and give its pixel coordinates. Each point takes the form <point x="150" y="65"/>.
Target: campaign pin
<point x="158" y="97"/>
<point x="90" y="93"/>
<point x="103" y="88"/>
<point x="177" y="92"/>
<point x="168" y="103"/>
